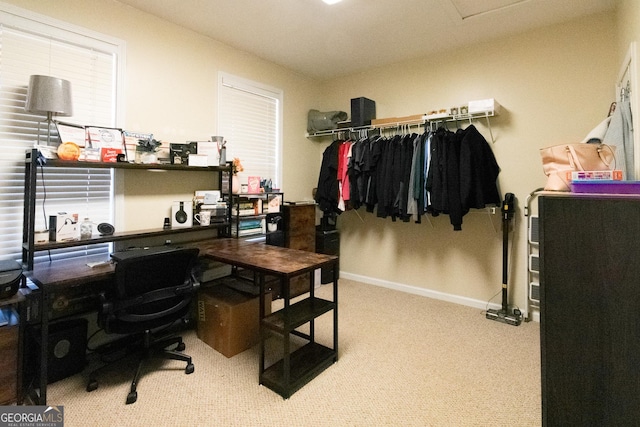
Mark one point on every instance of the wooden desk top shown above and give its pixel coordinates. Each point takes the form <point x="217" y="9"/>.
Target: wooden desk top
<point x="72" y="272"/>
<point x="258" y="257"/>
<point x="264" y="258"/>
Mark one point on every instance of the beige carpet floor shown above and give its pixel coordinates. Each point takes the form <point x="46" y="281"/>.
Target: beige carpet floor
<point x="404" y="360"/>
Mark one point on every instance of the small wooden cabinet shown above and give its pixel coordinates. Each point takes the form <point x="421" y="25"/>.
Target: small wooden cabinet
<point x="300" y="233"/>
<point x="300" y="227"/>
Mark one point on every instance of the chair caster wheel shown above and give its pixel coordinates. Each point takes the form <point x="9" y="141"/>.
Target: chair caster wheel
<point x="132" y="397"/>
<point x="181" y="347"/>
<point x="189" y="369"/>
<point x="93" y="385"/>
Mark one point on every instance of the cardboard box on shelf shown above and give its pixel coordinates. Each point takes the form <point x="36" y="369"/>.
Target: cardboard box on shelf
<point x="484" y="106"/>
<point x="63" y="226"/>
<point x="397" y="120"/>
<point x="228" y="320"/>
<point x="198" y="160"/>
<point x="209" y="149"/>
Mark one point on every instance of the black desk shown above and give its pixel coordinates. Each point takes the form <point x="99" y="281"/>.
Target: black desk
<point x="65" y="288"/>
<point x="296" y="368"/>
<point x="58" y="280"/>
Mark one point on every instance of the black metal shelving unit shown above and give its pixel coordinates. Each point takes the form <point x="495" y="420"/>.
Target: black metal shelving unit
<point x="37" y="391"/>
<point x="296" y="368"/>
<point x="30" y="175"/>
<point x="238" y="218"/>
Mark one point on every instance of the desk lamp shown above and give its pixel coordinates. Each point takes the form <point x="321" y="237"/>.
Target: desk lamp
<point x="49" y="95"/>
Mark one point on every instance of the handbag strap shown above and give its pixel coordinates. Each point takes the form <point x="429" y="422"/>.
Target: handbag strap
<point x="573" y="159"/>
<point x="613" y="156"/>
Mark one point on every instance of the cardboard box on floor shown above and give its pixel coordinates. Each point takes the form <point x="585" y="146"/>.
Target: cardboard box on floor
<point x="228" y="320"/>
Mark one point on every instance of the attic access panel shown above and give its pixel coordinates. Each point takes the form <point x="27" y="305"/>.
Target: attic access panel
<point x="469" y="8"/>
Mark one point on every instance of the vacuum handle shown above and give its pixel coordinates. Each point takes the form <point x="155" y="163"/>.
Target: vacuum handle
<point x="508" y="206"/>
<point x="508" y="210"/>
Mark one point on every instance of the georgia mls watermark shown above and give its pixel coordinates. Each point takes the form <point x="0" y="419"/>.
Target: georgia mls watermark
<point x="31" y="416"/>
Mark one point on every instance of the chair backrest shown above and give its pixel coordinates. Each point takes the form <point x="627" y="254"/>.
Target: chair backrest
<point x="151" y="290"/>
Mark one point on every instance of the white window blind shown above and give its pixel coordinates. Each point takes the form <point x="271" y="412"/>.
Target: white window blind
<point x="250" y="120"/>
<point x="32" y="44"/>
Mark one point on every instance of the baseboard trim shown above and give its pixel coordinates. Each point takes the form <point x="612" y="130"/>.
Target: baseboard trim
<point x="429" y="293"/>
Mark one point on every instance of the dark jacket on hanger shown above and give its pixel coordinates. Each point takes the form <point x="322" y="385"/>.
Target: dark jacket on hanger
<point x="406" y="161"/>
<point x="327" y="191"/>
<point x="462" y="174"/>
<point x="371" y="158"/>
<point x="478" y="171"/>
<point x="442" y="181"/>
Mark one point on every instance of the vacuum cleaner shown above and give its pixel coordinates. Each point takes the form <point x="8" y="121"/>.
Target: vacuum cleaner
<point x="505" y="315"/>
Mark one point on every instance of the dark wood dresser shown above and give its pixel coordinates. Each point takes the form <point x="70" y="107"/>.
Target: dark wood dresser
<point x="590" y="309"/>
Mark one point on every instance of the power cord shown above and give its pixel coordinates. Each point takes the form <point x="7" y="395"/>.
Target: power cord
<point x="41" y="161"/>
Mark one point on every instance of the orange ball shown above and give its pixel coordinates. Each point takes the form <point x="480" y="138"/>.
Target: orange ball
<point x="68" y="151"/>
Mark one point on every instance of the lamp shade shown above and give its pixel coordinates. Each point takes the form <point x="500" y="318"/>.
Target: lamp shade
<point x="48" y="94"/>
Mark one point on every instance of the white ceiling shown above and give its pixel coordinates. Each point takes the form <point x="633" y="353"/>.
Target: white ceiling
<point x="322" y="41"/>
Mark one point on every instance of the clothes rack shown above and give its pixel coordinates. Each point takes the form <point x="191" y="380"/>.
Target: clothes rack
<point x="402" y="173"/>
<point x="427" y="121"/>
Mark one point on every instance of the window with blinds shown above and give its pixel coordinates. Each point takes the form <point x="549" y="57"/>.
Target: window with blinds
<point x="250" y="120"/>
<point x="32" y="44"/>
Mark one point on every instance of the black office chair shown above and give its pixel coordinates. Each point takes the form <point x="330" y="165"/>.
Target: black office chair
<point x="152" y="292"/>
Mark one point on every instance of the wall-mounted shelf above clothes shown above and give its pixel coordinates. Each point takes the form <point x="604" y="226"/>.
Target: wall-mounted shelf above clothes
<point x="483" y="109"/>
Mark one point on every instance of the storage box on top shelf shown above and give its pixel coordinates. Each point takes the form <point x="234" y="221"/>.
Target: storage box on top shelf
<point x="484" y="106"/>
<point x="228" y="320"/>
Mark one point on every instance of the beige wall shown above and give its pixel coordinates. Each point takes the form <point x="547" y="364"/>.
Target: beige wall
<point x="171" y="84"/>
<point x="554" y="84"/>
<point x="628" y="24"/>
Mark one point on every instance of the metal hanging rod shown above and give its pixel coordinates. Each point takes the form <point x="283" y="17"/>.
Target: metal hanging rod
<point x="424" y="120"/>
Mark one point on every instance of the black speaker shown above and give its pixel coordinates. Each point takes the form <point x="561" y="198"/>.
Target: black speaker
<point x="67" y="352"/>
<point x="363" y="110"/>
